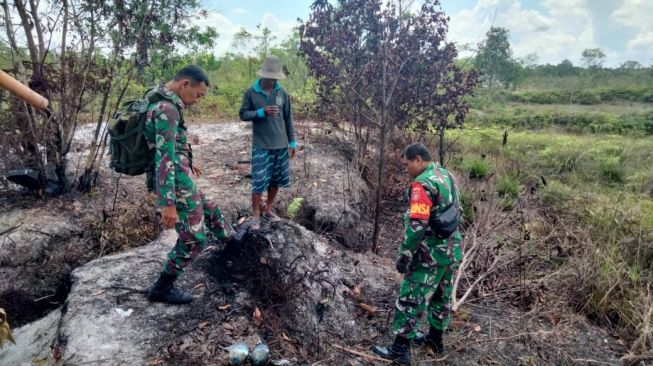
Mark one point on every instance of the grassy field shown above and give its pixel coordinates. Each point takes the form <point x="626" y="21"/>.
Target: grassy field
<point x="582" y="176"/>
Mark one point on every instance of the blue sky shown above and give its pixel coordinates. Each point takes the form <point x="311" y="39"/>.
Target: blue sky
<point x="552" y="29"/>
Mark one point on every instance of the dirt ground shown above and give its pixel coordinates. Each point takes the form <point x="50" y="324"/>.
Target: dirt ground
<point x="490" y="329"/>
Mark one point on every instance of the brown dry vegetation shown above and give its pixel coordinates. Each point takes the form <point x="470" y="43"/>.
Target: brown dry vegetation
<point x="106" y="227"/>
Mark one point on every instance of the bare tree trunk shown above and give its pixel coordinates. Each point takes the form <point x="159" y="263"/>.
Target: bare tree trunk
<point x="142" y="41"/>
<point x="64" y="115"/>
<point x="91" y="170"/>
<point x="39" y="30"/>
<point x="9" y="28"/>
<point x="64" y="34"/>
<point x="25" y="117"/>
<point x="31" y="45"/>
<point x="379" y="183"/>
<point x="85" y="180"/>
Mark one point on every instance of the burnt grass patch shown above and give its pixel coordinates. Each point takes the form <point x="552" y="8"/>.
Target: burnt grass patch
<point x="32" y="290"/>
<point x="271" y="283"/>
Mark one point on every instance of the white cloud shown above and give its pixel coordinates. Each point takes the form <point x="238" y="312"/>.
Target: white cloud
<point x="280" y="29"/>
<point x="641" y="42"/>
<point x="240" y="11"/>
<point x="563" y="31"/>
<point x="226" y="28"/>
<point x="636" y="14"/>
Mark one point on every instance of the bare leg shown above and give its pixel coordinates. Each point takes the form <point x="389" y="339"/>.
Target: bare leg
<point x="272" y="194"/>
<point x="256" y="205"/>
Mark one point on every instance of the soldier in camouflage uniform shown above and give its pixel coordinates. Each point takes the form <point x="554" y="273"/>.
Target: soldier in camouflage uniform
<point x="427" y="261"/>
<point x="183" y="206"/>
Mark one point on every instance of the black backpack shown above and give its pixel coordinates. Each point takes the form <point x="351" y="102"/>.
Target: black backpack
<point x="129" y="151"/>
<point x="447" y="222"/>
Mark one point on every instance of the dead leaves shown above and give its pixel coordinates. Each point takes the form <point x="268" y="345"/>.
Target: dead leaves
<point x="5" y="330"/>
<point x="354" y="291"/>
<point x="371" y="310"/>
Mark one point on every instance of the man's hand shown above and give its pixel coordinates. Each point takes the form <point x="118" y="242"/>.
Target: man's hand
<point x="169" y="217"/>
<point x="402" y="264"/>
<point x="271" y="110"/>
<point x="197" y="171"/>
<point x="292" y="151"/>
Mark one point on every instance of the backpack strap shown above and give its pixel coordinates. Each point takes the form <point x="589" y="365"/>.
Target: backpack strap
<point x="153" y="95"/>
<point x="453" y="188"/>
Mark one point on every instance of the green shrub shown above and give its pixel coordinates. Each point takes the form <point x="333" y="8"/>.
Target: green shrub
<point x="587" y="98"/>
<point x="477" y="168"/>
<point x="466" y="200"/>
<point x="508" y="186"/>
<point x="556" y="194"/>
<point x="294" y="206"/>
<point x="584" y="96"/>
<point x="507" y="203"/>
<point x="576" y="122"/>
<point x="595" y="199"/>
<point x="612" y="170"/>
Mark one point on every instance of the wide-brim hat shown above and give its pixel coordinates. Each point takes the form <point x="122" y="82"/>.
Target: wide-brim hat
<point x="271" y="69"/>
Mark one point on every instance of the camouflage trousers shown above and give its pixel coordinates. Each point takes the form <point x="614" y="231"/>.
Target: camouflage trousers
<point x="424" y="289"/>
<point x="196" y="215"/>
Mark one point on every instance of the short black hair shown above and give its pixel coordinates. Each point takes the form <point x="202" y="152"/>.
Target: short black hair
<point x="416" y="149"/>
<point x="194" y="73"/>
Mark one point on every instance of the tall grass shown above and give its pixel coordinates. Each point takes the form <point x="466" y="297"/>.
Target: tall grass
<point x="522" y="117"/>
<point x="591" y="196"/>
<point x="609" y="162"/>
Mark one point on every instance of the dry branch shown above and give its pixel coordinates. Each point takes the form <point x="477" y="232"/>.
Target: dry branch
<point x="464" y="346"/>
<point x="360" y="354"/>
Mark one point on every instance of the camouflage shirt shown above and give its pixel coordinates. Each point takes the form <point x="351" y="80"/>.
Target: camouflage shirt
<point x="165" y="129"/>
<point x="430" y="193"/>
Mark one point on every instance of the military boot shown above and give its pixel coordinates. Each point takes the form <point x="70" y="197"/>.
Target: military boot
<point x="164" y="291"/>
<point x="399" y="351"/>
<point x="432" y="340"/>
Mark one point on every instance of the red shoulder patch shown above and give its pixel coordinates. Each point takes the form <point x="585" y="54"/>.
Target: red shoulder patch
<point x="420" y="203"/>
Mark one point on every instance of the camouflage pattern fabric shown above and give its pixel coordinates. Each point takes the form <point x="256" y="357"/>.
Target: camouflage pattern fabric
<point x="175" y="185"/>
<point x="429" y="194"/>
<point x="424" y="289"/>
<point x="195" y="214"/>
<point x="432" y="261"/>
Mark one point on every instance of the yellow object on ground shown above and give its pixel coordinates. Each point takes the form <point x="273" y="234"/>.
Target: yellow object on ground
<point x="5" y="330"/>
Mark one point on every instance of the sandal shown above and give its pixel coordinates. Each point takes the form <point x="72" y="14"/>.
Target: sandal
<point x="271" y="217"/>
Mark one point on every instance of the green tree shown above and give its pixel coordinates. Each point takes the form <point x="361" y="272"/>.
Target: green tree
<point x="565" y="68"/>
<point x="495" y="61"/>
<point x="593" y="58"/>
<point x="263" y="35"/>
<point x="631" y="65"/>
<point x="529" y="61"/>
<point x="100" y="48"/>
